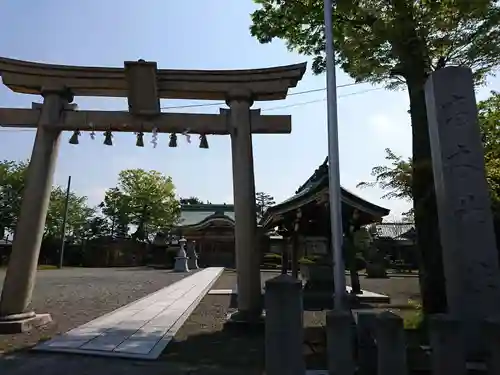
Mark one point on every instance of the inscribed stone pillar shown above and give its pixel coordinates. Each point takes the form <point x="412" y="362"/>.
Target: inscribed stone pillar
<point x="284" y="326"/>
<point x="246" y="246"/>
<point x="470" y="255"/>
<point x="21" y="272"/>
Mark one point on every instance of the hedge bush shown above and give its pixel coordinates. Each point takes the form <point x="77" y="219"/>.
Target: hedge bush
<point x="271" y="258"/>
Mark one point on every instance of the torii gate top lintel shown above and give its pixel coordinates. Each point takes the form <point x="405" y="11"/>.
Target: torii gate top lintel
<point x="264" y="84"/>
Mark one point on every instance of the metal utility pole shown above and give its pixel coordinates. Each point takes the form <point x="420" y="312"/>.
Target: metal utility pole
<point x="63" y="228"/>
<point x="333" y="162"/>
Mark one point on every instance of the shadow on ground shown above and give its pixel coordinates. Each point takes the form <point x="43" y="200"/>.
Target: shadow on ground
<point x="235" y="349"/>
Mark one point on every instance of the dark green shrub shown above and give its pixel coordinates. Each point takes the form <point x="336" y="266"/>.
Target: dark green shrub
<point x="271" y="266"/>
<point x="271" y="258"/>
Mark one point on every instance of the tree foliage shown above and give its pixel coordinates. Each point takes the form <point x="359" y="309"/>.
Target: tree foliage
<point x="79" y="214"/>
<point x="191" y="200"/>
<point x="375" y="39"/>
<point x="142" y="198"/>
<point x="396" y="178"/>
<point x="12" y="175"/>
<point x="262" y="202"/>
<point x="116" y="207"/>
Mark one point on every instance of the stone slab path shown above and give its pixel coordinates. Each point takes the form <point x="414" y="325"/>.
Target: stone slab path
<point x="366" y="296"/>
<point x="141" y="329"/>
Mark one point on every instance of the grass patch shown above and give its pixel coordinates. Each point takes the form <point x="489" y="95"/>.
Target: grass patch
<point x="42" y="267"/>
<point x="415" y="318"/>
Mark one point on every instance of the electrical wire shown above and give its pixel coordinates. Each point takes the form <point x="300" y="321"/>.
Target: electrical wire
<point x="291" y="94"/>
<point x="262" y="109"/>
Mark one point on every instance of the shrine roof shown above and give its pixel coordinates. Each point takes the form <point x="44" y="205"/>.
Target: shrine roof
<point x="195" y="214"/>
<point x="313" y="189"/>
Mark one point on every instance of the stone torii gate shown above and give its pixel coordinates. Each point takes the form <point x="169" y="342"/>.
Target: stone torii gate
<point x="144" y="85"/>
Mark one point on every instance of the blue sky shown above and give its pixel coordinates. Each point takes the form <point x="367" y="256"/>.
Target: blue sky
<point x="194" y="34"/>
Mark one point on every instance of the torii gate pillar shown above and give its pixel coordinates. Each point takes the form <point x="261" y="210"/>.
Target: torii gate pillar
<point x="246" y="243"/>
<point x="21" y="272"/>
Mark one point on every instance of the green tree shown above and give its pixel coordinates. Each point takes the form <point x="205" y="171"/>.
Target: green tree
<point x="191" y="200"/>
<point x="116" y="207"/>
<point x="97" y="227"/>
<point x="148" y="197"/>
<point x="12" y="176"/>
<point x="79" y="214"/>
<point x="489" y="120"/>
<point x="395" y="178"/>
<point x="397" y="43"/>
<point x="262" y="202"/>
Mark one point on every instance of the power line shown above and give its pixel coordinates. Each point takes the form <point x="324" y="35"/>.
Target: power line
<point x="263" y="109"/>
<point x="291" y="94"/>
<point x="319" y="100"/>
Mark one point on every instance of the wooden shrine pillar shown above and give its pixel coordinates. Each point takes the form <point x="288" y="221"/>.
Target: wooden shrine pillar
<point x="285" y="258"/>
<point x="296" y="244"/>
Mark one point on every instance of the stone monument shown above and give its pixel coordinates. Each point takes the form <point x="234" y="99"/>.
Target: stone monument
<point x="181" y="260"/>
<point x="193" y="257"/>
<point x="470" y="256"/>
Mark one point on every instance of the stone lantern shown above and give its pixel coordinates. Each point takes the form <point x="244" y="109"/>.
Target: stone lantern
<point x="181" y="260"/>
<point x="193" y="257"/>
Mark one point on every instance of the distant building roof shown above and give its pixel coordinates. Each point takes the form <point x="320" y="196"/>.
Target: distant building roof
<point x="396" y="231"/>
<point x="195" y="214"/>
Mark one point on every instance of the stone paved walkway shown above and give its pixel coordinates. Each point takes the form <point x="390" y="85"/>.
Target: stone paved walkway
<point x="141" y="329"/>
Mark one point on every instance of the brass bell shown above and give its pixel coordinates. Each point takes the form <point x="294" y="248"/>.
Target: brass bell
<point x="173" y="140"/>
<point x="74" y="138"/>
<point x="203" y="141"/>
<point x="108" y="138"/>
<point x="140" y="139"/>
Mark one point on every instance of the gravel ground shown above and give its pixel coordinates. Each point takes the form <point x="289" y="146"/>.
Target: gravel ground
<point x="78" y="295"/>
<point x="202" y="346"/>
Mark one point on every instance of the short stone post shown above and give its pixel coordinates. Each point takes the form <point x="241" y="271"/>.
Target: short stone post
<point x="492" y="335"/>
<point x="470" y="256"/>
<point x="181" y="260"/>
<point x="340" y="342"/>
<point x="448" y="350"/>
<point x="366" y="348"/>
<point x="284" y="326"/>
<point x="391" y="344"/>
<point x="193" y="257"/>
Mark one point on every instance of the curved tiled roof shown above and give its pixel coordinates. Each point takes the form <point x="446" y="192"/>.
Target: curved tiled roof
<point x="314" y="186"/>
<point x="194" y="215"/>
